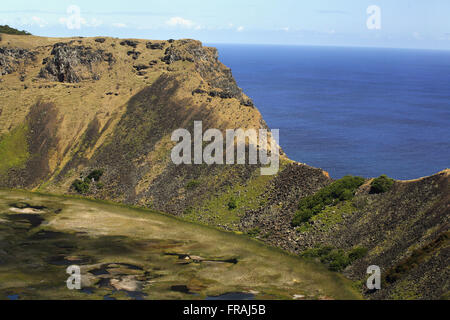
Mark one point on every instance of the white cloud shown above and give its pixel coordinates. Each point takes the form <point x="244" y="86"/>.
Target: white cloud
<point x="286" y="29"/>
<point x="181" y="22"/>
<point x="240" y="29"/>
<point x="119" y="25"/>
<point x="40" y="22"/>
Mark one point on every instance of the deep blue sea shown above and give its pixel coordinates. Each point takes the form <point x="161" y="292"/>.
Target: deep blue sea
<point x="359" y="111"/>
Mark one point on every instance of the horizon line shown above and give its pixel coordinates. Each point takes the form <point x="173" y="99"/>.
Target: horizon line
<point x="263" y="44"/>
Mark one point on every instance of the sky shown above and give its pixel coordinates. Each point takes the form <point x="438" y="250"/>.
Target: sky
<point x="423" y="24"/>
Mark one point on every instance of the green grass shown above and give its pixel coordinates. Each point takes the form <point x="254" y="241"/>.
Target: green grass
<point x="329" y="217"/>
<point x="119" y="234"/>
<point x="230" y="205"/>
<point x="337" y="192"/>
<point x="14" y="149"/>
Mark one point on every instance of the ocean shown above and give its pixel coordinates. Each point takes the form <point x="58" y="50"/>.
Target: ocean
<point x="359" y="111"/>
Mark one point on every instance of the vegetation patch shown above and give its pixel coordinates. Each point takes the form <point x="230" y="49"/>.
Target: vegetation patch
<point x="95" y="175"/>
<point x="337" y="192"/>
<point x="83" y="186"/>
<point x="230" y="205"/>
<point x="8" y="30"/>
<point x="14" y="149"/>
<point x="335" y="259"/>
<point x="193" y="184"/>
<point x="381" y="184"/>
<point x="329" y="217"/>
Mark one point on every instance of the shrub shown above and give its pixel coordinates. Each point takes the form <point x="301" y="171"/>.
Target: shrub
<point x="192" y="184"/>
<point x="381" y="184"/>
<point x="340" y="190"/>
<point x="232" y="204"/>
<point x="96" y="175"/>
<point x="81" y="187"/>
<point x="8" y="30"/>
<point x="357" y="253"/>
<point x="335" y="259"/>
<point x="317" y="252"/>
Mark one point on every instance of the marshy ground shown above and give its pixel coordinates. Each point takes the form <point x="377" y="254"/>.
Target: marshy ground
<point x="127" y="253"/>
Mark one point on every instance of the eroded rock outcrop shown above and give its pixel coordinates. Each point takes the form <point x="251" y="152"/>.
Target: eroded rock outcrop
<point x="11" y="58"/>
<point x="74" y="63"/>
<point x="210" y="68"/>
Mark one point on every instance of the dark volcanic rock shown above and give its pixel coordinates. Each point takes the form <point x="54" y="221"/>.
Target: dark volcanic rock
<point x="134" y="54"/>
<point x="130" y="43"/>
<point x="170" y="56"/>
<point x="198" y="91"/>
<point x="10" y="59"/>
<point x="221" y="94"/>
<point x="140" y="67"/>
<point x="73" y="63"/>
<point x="155" y="46"/>
<point x="247" y="102"/>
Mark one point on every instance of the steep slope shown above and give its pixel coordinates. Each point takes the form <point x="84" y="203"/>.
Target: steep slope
<point x="78" y="105"/>
<point x="103" y="109"/>
<point x="404" y="231"/>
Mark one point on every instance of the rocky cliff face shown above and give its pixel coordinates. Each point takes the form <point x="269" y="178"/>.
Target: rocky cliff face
<point x="113" y="104"/>
<point x="70" y="107"/>
<point x="71" y="63"/>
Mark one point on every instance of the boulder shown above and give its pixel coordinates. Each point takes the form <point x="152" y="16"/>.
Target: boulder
<point x="155" y="46"/>
<point x="130" y="43"/>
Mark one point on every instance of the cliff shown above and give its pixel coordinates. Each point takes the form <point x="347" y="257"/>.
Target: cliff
<point x="71" y="107"/>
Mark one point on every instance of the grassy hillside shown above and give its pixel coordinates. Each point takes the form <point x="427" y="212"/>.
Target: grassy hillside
<point x="71" y="107"/>
<point x="128" y="253"/>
